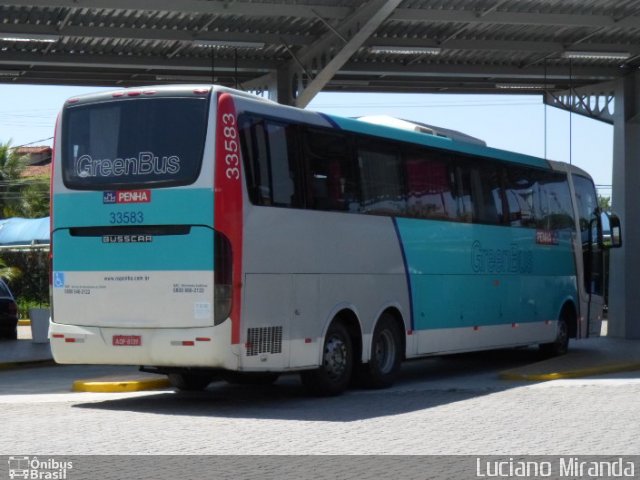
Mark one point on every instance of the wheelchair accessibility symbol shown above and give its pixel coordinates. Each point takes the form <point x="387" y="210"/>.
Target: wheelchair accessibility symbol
<point x="58" y="279"/>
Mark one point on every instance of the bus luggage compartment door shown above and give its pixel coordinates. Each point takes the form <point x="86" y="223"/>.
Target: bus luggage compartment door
<point x="143" y="277"/>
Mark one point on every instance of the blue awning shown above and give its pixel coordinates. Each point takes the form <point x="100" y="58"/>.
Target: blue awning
<point x="24" y="231"/>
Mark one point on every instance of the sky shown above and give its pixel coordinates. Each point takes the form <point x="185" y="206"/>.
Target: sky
<point x="510" y="122"/>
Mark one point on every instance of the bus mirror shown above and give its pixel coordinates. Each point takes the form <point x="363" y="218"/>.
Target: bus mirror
<point x="615" y="240"/>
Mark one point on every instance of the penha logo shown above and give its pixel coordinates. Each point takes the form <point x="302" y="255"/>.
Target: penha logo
<point x="127" y="196"/>
<point x="109" y="197"/>
<point x="134" y="196"/>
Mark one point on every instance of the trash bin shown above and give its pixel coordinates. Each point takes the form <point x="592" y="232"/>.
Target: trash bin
<point x="39" y="324"/>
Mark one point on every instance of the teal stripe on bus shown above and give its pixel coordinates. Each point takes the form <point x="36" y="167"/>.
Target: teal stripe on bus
<point x="193" y="251"/>
<point x="366" y="128"/>
<point x="184" y="206"/>
<point x="465" y="275"/>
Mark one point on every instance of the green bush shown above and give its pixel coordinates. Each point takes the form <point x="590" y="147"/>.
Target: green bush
<point x="25" y="304"/>
<point x="31" y="288"/>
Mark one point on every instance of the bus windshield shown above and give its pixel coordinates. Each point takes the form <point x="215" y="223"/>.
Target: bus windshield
<point x="128" y="144"/>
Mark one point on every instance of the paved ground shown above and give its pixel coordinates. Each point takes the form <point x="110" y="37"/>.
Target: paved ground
<point x="454" y="405"/>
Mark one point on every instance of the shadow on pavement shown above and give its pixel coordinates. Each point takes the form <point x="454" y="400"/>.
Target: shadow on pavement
<point x="422" y="385"/>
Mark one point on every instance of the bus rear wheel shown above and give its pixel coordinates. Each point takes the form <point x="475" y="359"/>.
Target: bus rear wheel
<point x="334" y="375"/>
<point x="386" y="355"/>
<point x="560" y="345"/>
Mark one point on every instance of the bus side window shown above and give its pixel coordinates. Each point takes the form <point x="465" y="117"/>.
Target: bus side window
<point x="255" y="152"/>
<point x="429" y="187"/>
<point x="554" y="203"/>
<point x="381" y="176"/>
<point x="330" y="184"/>
<point x="519" y="193"/>
<point x="464" y="199"/>
<point x="270" y="162"/>
<point x="538" y="199"/>
<point x="282" y="166"/>
<point x="486" y="192"/>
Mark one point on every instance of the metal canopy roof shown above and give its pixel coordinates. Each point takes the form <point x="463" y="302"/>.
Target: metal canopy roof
<point x="352" y="45"/>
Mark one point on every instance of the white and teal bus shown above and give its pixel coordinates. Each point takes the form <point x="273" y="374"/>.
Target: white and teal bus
<point x="203" y="232"/>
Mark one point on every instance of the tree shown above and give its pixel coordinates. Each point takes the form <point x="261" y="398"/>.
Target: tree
<point x="21" y="197"/>
<point x="34" y="198"/>
<point x="11" y="167"/>
<point x="604" y="203"/>
<point x="8" y="273"/>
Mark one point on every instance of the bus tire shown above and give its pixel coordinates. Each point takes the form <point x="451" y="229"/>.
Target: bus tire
<point x="560" y="345"/>
<point x="189" y="382"/>
<point x="386" y="355"/>
<point x="333" y="376"/>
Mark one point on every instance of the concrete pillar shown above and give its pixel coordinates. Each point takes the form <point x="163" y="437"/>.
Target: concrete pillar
<point x="624" y="291"/>
<point x="281" y="86"/>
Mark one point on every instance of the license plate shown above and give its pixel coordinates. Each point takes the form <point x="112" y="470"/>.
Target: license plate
<point x="127" y="340"/>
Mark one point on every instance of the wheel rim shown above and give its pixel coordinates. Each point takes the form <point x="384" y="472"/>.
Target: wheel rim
<point x="335" y="357"/>
<point x="384" y="352"/>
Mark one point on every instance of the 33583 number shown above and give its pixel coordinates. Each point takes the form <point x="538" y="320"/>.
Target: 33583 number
<point x="120" y="218"/>
<point x="231" y="155"/>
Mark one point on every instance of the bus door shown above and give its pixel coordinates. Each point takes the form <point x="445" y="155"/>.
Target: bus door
<point x="591" y="285"/>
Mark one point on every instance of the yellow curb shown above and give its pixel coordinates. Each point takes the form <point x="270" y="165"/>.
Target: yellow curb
<point x="577" y="373"/>
<point x="25" y="322"/>
<point x="134" y="385"/>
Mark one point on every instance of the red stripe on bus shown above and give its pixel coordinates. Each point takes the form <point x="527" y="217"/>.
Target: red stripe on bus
<point x="228" y="197"/>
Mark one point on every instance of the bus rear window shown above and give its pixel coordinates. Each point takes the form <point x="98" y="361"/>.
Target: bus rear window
<point x="134" y="143"/>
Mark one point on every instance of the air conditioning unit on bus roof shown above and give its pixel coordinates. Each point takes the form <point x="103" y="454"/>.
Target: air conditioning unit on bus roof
<point x="415" y="126"/>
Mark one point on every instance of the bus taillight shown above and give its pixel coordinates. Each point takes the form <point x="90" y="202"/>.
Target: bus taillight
<point x="223" y="278"/>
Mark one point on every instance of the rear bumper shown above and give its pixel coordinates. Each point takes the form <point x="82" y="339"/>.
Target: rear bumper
<point x="207" y="347"/>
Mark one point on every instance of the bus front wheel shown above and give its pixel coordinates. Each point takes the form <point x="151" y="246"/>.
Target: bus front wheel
<point x="334" y="375"/>
<point x="560" y="345"/>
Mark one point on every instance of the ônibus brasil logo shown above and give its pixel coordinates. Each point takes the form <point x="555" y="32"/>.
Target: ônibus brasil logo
<point x="127" y="196"/>
<point x="33" y="468"/>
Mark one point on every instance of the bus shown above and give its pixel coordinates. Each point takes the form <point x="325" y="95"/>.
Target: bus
<point x="206" y="233"/>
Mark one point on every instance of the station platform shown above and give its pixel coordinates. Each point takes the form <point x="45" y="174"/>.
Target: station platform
<point x="587" y="357"/>
<point x="23" y="352"/>
<point x="17" y="353"/>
